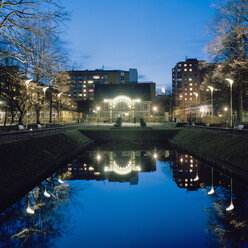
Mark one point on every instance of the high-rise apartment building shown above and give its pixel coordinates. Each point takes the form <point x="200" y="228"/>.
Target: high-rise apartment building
<point x="187" y="77"/>
<point x="84" y="81"/>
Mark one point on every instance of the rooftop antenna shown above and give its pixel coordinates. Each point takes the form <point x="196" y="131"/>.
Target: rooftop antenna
<point x="186" y="58"/>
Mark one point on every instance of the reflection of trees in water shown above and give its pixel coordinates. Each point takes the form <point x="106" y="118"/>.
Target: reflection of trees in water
<point x="229" y="229"/>
<point x="20" y="229"/>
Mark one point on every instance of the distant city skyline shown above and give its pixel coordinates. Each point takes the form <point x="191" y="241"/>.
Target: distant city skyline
<point x="151" y="36"/>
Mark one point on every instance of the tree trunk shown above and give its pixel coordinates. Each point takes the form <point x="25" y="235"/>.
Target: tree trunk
<point x="6" y="116"/>
<point x="37" y="111"/>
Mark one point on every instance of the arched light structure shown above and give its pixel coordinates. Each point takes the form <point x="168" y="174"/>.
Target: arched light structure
<point x="211" y="192"/>
<point x="231" y="206"/>
<point x="122" y="170"/>
<point x="124" y="99"/>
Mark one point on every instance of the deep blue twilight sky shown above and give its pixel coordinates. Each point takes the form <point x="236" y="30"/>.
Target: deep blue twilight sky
<point x="150" y="35"/>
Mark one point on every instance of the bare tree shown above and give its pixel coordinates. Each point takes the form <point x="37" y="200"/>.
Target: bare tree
<point x="230" y="46"/>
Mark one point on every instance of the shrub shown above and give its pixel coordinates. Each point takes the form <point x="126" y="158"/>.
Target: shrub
<point x="142" y="122"/>
<point x="118" y="122"/>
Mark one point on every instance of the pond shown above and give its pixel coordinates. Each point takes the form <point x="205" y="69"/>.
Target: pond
<point x="127" y="196"/>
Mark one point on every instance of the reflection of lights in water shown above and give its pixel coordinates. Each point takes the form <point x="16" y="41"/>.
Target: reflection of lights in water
<point x="155" y="156"/>
<point x="46" y="194"/>
<point x="196" y="177"/>
<point x="212" y="189"/>
<point x="98" y="157"/>
<point x="122" y="170"/>
<point x="29" y="210"/>
<point x="231" y="206"/>
<point x="60" y="181"/>
<point x="91" y="168"/>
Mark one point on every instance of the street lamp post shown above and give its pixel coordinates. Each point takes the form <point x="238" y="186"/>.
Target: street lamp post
<point x="226" y="119"/>
<point x="44" y="90"/>
<point x="59" y="95"/>
<point x="212" y="98"/>
<point x="27" y="83"/>
<point x="98" y="108"/>
<point x="230" y="81"/>
<point x="155" y="108"/>
<point x="196" y="96"/>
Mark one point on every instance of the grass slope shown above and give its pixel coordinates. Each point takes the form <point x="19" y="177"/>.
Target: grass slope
<point x="21" y="158"/>
<point x="229" y="148"/>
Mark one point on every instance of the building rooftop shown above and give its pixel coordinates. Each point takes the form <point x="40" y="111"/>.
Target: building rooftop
<point x="134" y="91"/>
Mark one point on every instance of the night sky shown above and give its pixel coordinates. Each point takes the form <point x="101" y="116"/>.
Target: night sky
<point x="150" y="35"/>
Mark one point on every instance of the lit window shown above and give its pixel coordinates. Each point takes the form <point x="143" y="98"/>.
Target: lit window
<point x="185" y="70"/>
<point x="190" y="69"/>
<point x="185" y="99"/>
<point x="179" y="65"/>
<point x="84" y="86"/>
<point x="190" y="99"/>
<point x="185" y="89"/>
<point x="79" y="94"/>
<point x="191" y="94"/>
<point x="190" y="84"/>
<point x="186" y="185"/>
<point x="90" y="82"/>
<point x="84" y="90"/>
<point x="84" y="94"/>
<point x="190" y="64"/>
<point x="181" y="96"/>
<point x="186" y="180"/>
<point x="185" y="64"/>
<point x="96" y="77"/>
<point x="186" y="94"/>
<point x="84" y="82"/>
<point x="190" y="89"/>
<point x="190" y="79"/>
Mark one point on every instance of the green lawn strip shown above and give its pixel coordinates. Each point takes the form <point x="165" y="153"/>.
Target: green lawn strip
<point x="230" y="148"/>
<point x="22" y="157"/>
<point x="129" y="134"/>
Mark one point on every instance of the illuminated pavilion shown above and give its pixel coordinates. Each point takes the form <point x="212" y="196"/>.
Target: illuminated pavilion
<point x="128" y="101"/>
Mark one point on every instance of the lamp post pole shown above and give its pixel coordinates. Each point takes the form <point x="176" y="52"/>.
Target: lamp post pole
<point x="98" y="108"/>
<point x="59" y="107"/>
<point x="230" y="81"/>
<point x="196" y="96"/>
<point x="212" y="98"/>
<point x="155" y="111"/>
<point x="27" y="83"/>
<point x="44" y="90"/>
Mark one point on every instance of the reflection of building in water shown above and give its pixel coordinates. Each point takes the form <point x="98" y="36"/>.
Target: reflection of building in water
<point x="192" y="174"/>
<point x="119" y="166"/>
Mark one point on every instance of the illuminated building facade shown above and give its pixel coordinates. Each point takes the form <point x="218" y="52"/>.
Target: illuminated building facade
<point x="118" y="166"/>
<point x="128" y="101"/>
<point x="187" y="77"/>
<point x="84" y="81"/>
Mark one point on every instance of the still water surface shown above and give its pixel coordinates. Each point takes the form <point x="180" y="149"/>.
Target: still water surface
<point x="130" y="198"/>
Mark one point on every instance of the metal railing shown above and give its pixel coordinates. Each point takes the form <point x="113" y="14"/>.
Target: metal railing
<point x="22" y="134"/>
<point x="233" y="131"/>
